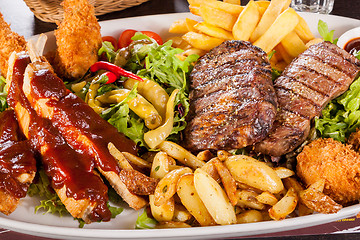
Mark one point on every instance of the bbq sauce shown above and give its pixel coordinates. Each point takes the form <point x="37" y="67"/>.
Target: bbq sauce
<point x="353" y="45"/>
<point x="77" y="120"/>
<point x="65" y="166"/>
<point x="16" y="158"/>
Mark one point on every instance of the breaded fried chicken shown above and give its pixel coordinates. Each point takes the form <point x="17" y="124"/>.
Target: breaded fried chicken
<point x="9" y="42"/>
<point x="335" y="162"/>
<point x="78" y="39"/>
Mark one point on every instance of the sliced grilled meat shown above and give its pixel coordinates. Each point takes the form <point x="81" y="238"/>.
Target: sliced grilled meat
<point x="232" y="99"/>
<point x="17" y="163"/>
<point x="82" y="128"/>
<point x="318" y="75"/>
<point x="72" y="174"/>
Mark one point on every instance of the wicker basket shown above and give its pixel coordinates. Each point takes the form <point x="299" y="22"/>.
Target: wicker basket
<point x="52" y="11"/>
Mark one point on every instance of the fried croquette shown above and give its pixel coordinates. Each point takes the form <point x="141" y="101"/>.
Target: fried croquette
<point x="78" y="39"/>
<point x="9" y="42"/>
<point x="335" y="162"/>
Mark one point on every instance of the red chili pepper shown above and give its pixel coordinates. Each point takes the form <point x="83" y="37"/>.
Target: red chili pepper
<point x="110" y="76"/>
<point x="118" y="71"/>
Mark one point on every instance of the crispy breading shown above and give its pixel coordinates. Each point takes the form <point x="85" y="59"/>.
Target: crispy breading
<point x="78" y="39"/>
<point x="9" y="42"/>
<point x="354" y="140"/>
<point x="335" y="162"/>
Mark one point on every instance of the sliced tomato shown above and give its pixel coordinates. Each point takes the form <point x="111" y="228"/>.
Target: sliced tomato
<point x="112" y="40"/>
<point x="154" y="36"/>
<point x="125" y="37"/>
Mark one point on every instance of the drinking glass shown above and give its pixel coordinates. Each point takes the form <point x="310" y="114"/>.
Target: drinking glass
<point x="315" y="6"/>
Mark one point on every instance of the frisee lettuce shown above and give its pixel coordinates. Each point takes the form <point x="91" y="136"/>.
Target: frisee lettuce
<point x="325" y="33"/>
<point x="145" y="222"/>
<point x="52" y="203"/>
<point x="3" y="94"/>
<point x="341" y="116"/>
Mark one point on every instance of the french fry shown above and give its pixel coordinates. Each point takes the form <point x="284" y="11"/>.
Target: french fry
<point x="217" y="17"/>
<point x="285" y="206"/>
<point x="227" y="181"/>
<point x="161" y="165"/>
<point x="246" y="22"/>
<point x="254" y="173"/>
<point x="195" y="10"/>
<point x="293" y="183"/>
<point x="137" y="160"/>
<point x="164" y="212"/>
<point x="123" y="162"/>
<point x="314" y="41"/>
<point x="249" y="216"/>
<point x="282" y="26"/>
<point x="284" y="172"/>
<point x="227" y="7"/>
<point x="293" y="45"/>
<point x="262" y="6"/>
<point x="236" y="2"/>
<point x="182" y="155"/>
<point x="223" y="155"/>
<point x="191" y="51"/>
<point x="198" y="2"/>
<point x="284" y="55"/>
<point x="272" y="12"/>
<point x="213" y="31"/>
<point x="210" y="169"/>
<point x="176" y="41"/>
<point x="191" y="200"/>
<point x="179" y="26"/>
<point x="166" y="188"/>
<point x="190" y="23"/>
<point x="303" y="31"/>
<point x="267" y="198"/>
<point x="214" y="198"/>
<point x="248" y="198"/>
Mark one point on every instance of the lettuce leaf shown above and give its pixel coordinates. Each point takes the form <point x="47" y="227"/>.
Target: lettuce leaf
<point x="342" y="115"/>
<point x="3" y="94"/>
<point x="144" y="222"/>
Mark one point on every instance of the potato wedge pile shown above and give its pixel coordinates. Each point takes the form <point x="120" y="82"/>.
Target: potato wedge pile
<point x="207" y="190"/>
<point x="271" y="25"/>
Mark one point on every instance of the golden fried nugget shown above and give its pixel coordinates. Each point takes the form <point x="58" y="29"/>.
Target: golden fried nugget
<point x="78" y="39"/>
<point x="335" y="162"/>
<point x="9" y="42"/>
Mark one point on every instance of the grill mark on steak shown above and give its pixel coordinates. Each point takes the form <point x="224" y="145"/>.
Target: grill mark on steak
<point x="232" y="99"/>
<point x="329" y="71"/>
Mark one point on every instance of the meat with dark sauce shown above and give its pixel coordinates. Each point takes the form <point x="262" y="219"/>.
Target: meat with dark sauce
<point x="232" y="99"/>
<point x="320" y="74"/>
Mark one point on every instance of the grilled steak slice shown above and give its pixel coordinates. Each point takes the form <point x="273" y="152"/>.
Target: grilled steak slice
<point x="72" y="175"/>
<point x="318" y="75"/>
<point x="232" y="99"/>
<point x="17" y="163"/>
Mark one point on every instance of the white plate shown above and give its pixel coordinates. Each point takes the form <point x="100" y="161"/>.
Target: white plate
<point x="24" y="220"/>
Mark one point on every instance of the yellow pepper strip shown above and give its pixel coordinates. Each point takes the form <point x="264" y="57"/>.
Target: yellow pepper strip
<point x="152" y="91"/>
<point x="139" y="105"/>
<point x="155" y="137"/>
<point x="90" y="98"/>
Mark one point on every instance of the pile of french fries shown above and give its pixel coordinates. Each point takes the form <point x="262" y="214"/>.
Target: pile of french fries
<point x="271" y="25"/>
<point x="207" y="190"/>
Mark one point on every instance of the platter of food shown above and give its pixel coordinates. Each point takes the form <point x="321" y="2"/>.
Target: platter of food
<point x="25" y="220"/>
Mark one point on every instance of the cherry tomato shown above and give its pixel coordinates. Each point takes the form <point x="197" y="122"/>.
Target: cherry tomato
<point x="125" y="37"/>
<point x="154" y="36"/>
<point x="110" y="39"/>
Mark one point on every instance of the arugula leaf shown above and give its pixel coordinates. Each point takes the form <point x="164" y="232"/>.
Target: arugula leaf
<point x="275" y="73"/>
<point x="108" y="49"/>
<point x="144" y="222"/>
<point x="342" y="115"/>
<point x="357" y="54"/>
<point x="3" y="94"/>
<point x="324" y="32"/>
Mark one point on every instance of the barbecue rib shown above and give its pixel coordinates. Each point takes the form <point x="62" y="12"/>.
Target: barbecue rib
<point x="318" y="75"/>
<point x="232" y="99"/>
<point x="17" y="163"/>
<point x="80" y="125"/>
<point x="72" y="174"/>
